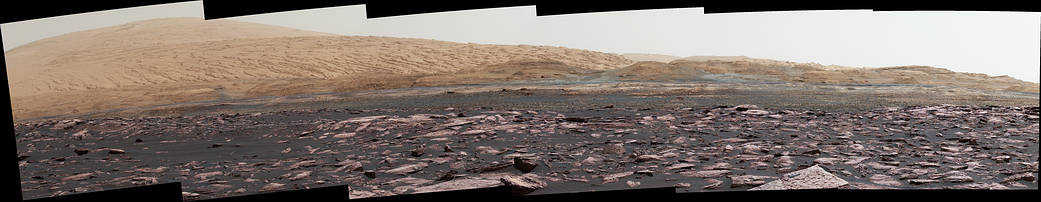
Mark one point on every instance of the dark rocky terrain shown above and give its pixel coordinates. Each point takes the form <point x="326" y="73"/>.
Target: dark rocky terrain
<point x="567" y="142"/>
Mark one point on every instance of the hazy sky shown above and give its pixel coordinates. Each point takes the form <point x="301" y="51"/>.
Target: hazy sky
<point x="995" y="43"/>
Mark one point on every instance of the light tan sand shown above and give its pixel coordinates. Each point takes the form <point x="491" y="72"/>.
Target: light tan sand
<point x="640" y="57"/>
<point x="176" y="60"/>
<point x="165" y="61"/>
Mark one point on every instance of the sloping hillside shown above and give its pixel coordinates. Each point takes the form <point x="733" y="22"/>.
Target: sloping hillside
<point x="189" y="59"/>
<point x="831" y="74"/>
<point x="640" y="57"/>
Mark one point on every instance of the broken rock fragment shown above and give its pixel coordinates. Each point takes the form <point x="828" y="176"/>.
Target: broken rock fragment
<point x="525" y="165"/>
<point x="813" y="177"/>
<point x="406" y="169"/>
<point x="645" y="158"/>
<point x="884" y="180"/>
<point x="78" y="177"/>
<point x="748" y="180"/>
<point x="614" y="148"/>
<point x="272" y="187"/>
<point x="521" y="185"/>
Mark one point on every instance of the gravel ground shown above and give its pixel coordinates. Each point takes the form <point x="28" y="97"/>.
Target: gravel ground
<point x="543" y="140"/>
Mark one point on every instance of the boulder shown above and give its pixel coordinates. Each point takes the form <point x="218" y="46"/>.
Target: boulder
<point x="521" y="185"/>
<point x="813" y="177"/>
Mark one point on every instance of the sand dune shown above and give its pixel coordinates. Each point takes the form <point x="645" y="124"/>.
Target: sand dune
<point x="181" y="57"/>
<point x="640" y="57"/>
<point x="514" y="70"/>
<point x="175" y="60"/>
<point x="222" y="58"/>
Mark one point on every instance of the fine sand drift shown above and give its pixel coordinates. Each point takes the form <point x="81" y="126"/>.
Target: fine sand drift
<point x="178" y="60"/>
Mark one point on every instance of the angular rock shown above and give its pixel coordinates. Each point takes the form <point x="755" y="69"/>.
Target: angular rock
<point x="748" y="180"/>
<point x="344" y="135"/>
<point x="922" y="181"/>
<point x="632" y="184"/>
<point x="617" y="148"/>
<point x="521" y="185"/>
<point x="885" y="180"/>
<point x="614" y="177"/>
<point x="116" y="151"/>
<point x="300" y="175"/>
<point x="826" y="161"/>
<point x="712" y="184"/>
<point x="459" y="184"/>
<point x="407" y="169"/>
<point x="78" y="177"/>
<point x="272" y="187"/>
<point x="706" y="173"/>
<point x="648" y="157"/>
<point x="591" y="160"/>
<point x="813" y="177"/>
<point x="208" y="175"/>
<point x="1029" y="177"/>
<point x="525" y="165"/>
<point x="679" y="166"/>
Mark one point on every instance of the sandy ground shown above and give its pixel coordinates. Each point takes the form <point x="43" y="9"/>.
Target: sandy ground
<point x="638" y="57"/>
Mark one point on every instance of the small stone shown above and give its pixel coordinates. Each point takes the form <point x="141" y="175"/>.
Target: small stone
<point x="207" y="175"/>
<point x="272" y="187"/>
<point x="826" y="161"/>
<point x="681" y="185"/>
<point x="448" y="175"/>
<point x="116" y="151"/>
<point x="406" y="169"/>
<point x="486" y="150"/>
<point x="706" y="173"/>
<point x="958" y="178"/>
<point x="370" y="174"/>
<point x="81" y="151"/>
<point x="679" y="166"/>
<point x="922" y="181"/>
<point x="884" y="180"/>
<point x="748" y="180"/>
<point x="344" y="135"/>
<point x="617" y="148"/>
<point x="300" y="175"/>
<point x="785" y="161"/>
<point x="645" y="158"/>
<point x="78" y="177"/>
<point x="591" y="160"/>
<point x="525" y="165"/>
<point x="614" y="177"/>
<point x="417" y="152"/>
<point x="712" y="184"/>
<point x="632" y="184"/>
<point x="189" y="194"/>
<point x="745" y="107"/>
<point x="1029" y="177"/>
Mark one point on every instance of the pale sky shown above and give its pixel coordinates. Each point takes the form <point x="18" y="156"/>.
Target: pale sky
<point x="994" y="43"/>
